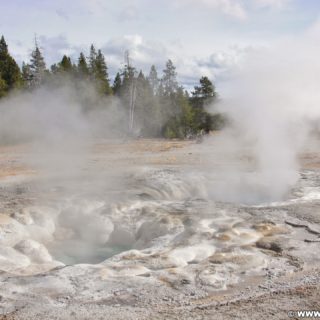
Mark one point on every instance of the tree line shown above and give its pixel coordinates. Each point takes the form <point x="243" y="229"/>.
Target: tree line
<point x="154" y="106"/>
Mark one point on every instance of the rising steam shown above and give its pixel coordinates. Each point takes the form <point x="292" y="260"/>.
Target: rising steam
<point x="273" y="105"/>
<point x="59" y="123"/>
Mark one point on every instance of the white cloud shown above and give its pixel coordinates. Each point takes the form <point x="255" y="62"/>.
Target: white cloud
<point x="238" y="9"/>
<point x="217" y="66"/>
<point x="141" y="50"/>
<point x="271" y="3"/>
<point x="62" y="14"/>
<point x="232" y="8"/>
<point x="129" y="13"/>
<point x="95" y="7"/>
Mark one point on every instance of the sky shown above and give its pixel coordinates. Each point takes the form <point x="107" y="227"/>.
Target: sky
<point x="201" y="37"/>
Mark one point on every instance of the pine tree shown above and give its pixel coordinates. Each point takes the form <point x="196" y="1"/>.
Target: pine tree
<point x="3" y="49"/>
<point x="141" y="76"/>
<point x="169" y="79"/>
<point x="160" y="90"/>
<point x="180" y="124"/>
<point x="175" y="106"/>
<point x="65" y="65"/>
<point x="153" y="79"/>
<point x="92" y="60"/>
<point x="168" y="93"/>
<point x="26" y="74"/>
<point x="202" y="96"/>
<point x="101" y="74"/>
<point x="9" y="69"/>
<point x="83" y="69"/>
<point x="37" y="67"/>
<point x="3" y="87"/>
<point x="117" y="83"/>
<point x="99" y="71"/>
<point x="54" y="68"/>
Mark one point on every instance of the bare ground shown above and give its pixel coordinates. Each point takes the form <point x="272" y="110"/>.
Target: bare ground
<point x="263" y="297"/>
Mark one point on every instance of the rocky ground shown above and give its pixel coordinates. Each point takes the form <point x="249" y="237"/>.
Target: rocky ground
<point x="134" y="232"/>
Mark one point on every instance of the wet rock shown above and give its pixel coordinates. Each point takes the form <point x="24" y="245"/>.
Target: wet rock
<point x="185" y="281"/>
<point x="270" y="244"/>
<point x="11" y="259"/>
<point x="222" y="237"/>
<point x="23" y="217"/>
<point x="11" y="231"/>
<point x="150" y="230"/>
<point x="269" y="229"/>
<point x="36" y="251"/>
<point x="43" y="217"/>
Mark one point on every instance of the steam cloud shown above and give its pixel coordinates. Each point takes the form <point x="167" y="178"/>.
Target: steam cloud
<point x="59" y="122"/>
<point x="273" y="106"/>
